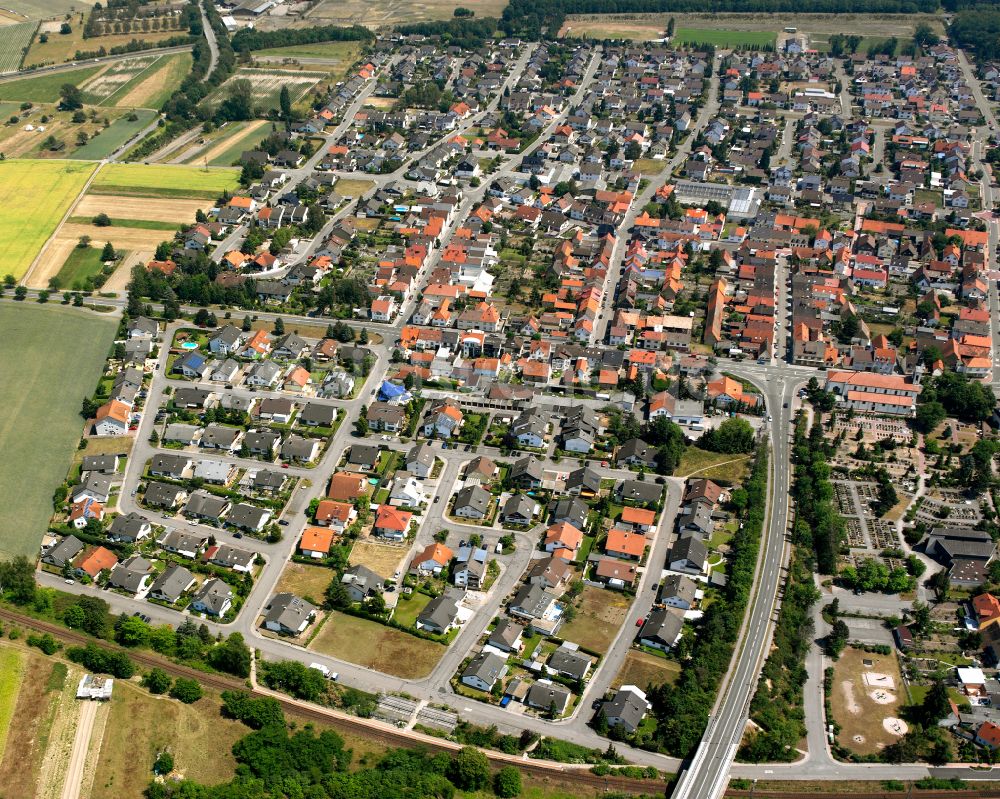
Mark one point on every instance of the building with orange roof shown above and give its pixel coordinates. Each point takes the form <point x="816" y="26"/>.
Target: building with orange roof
<point x="346" y="486"/>
<point x="875" y="393"/>
<point x="988" y="735"/>
<point x="337" y="515"/>
<point x="725" y="391"/>
<point x="112" y="419"/>
<point x="987" y="608"/>
<point x="432" y="560"/>
<point x="391" y="522"/>
<point x="563" y="536"/>
<point x="638" y="519"/>
<point x="95" y="561"/>
<point x="316" y="542"/>
<point x="625" y="544"/>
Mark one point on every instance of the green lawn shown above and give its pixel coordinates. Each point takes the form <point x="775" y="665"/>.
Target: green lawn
<point x="409" y="608"/>
<point x="44" y="88"/>
<point x="41" y="191"/>
<point x="723" y="38"/>
<point x="50" y="361"/>
<point x="80" y="264"/>
<point x="720" y="466"/>
<point x="11" y="671"/>
<point x="114" y="136"/>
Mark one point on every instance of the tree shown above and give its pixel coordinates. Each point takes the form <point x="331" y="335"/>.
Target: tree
<point x="157" y="681"/>
<point x="285" y="103"/>
<point x="83" y="243"/>
<point x="238" y="104"/>
<point x="108" y="253"/>
<point x="336" y="595"/>
<point x="131" y="631"/>
<point x="732" y="436"/>
<point x="70" y="97"/>
<point x="361" y="427"/>
<point x="279" y="326"/>
<point x="232" y="656"/>
<point x="928" y="416"/>
<point x="256" y="713"/>
<point x="101" y="220"/>
<point x="507" y="782"/>
<point x="186" y="690"/>
<point x="20" y="293"/>
<point x="936" y="704"/>
<point x="837" y="639"/>
<point x="469" y="770"/>
<point x="163" y="764"/>
<point x="17" y="580"/>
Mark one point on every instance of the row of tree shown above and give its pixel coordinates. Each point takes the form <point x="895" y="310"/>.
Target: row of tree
<point x="681" y="710"/>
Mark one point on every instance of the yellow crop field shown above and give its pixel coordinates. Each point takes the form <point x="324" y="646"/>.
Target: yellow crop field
<point x="41" y="192"/>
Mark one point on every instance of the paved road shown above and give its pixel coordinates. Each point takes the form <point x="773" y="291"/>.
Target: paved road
<point x="708" y="774"/>
<point x="213" y="45"/>
<point x="616" y="267"/>
<point x="69" y="67"/>
<point x="81" y="744"/>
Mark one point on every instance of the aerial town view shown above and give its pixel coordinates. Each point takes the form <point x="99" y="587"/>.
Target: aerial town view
<point x="555" y="399"/>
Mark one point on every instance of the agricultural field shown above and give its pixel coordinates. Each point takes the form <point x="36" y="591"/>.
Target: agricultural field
<point x="165" y="181"/>
<point x="375" y="646"/>
<point x="45" y="88"/>
<point x="63" y="366"/>
<point x="112" y="85"/>
<point x="14" y="40"/>
<point x="41" y="9"/>
<point x="224" y="146"/>
<point x="62" y="47"/>
<point x="394" y="12"/>
<point x="31" y="719"/>
<point x="113" y="137"/>
<point x="39" y="212"/>
<point x="124" y="211"/>
<point x="11" y="672"/>
<point x="157" y="85"/>
<point x="728" y="30"/>
<point x="267" y="85"/>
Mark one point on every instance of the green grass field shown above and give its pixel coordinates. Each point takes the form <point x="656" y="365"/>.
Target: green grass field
<point x="232" y="153"/>
<point x="41" y="191"/>
<point x="49" y="352"/>
<point x="44" y="88"/>
<point x="345" y="52"/>
<point x="164" y="82"/>
<point x="13" y="41"/>
<point x="11" y="672"/>
<point x="723" y="38"/>
<point x="79" y="265"/>
<point x="161" y="180"/>
<point x="140" y="224"/>
<point x="114" y="136"/>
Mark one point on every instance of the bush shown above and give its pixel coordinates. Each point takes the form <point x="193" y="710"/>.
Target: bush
<point x="469" y="770"/>
<point x="186" y="690"/>
<point x="507" y="782"/>
<point x="164" y="763"/>
<point x="45" y="642"/>
<point x="103" y="661"/>
<point x="157" y="681"/>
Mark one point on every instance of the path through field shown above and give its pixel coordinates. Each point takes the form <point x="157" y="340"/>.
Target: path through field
<point x="81" y="743"/>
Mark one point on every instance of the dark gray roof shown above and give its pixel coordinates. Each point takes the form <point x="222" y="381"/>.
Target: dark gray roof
<point x="663" y="626"/>
<point x="64" y="552"/>
<point x="172" y="582"/>
<point x="474" y="496"/>
<point x="213" y="595"/>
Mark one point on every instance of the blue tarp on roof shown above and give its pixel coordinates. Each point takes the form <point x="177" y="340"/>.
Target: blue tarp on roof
<point x="390" y="391"/>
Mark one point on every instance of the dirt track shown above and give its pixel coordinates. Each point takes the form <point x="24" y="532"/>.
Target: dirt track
<point x="81" y="743"/>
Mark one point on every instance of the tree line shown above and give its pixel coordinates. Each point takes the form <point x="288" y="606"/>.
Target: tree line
<point x="681" y="710"/>
<point x="249" y="39"/>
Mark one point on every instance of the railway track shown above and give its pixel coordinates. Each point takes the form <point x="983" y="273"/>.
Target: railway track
<point x="541" y="769"/>
<point x="969" y="794"/>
